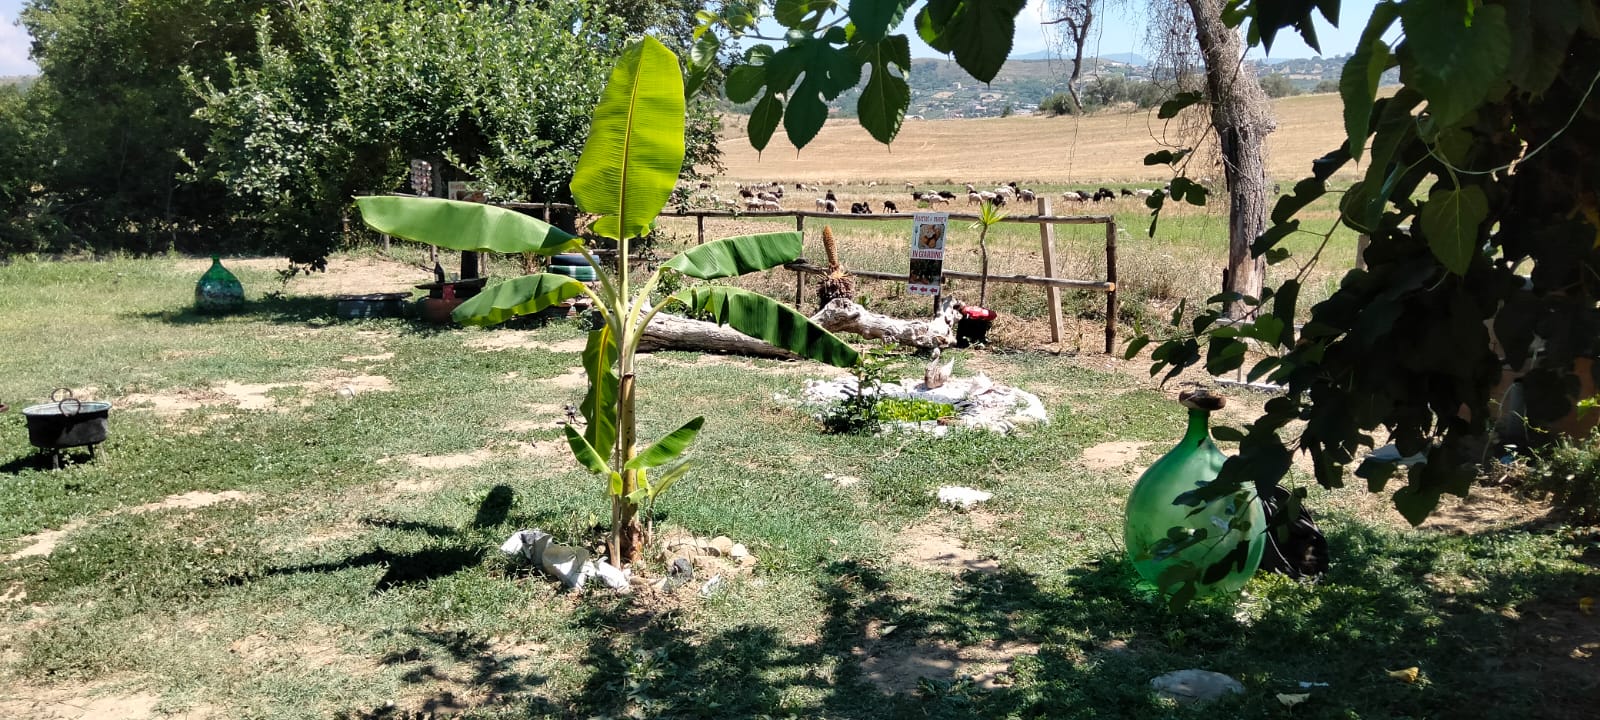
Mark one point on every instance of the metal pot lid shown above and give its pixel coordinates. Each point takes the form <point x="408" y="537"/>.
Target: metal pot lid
<point x="72" y="407"/>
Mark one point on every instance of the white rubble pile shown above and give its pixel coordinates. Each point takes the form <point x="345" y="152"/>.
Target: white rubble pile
<point x="962" y="497"/>
<point x="980" y="403"/>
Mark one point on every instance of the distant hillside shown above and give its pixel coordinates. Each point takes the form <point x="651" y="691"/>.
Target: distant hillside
<point x="940" y="89"/>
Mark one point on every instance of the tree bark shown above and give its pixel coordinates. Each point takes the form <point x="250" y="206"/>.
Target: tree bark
<point x="670" y="332"/>
<point x="1242" y="118"/>
<point x="841" y="315"/>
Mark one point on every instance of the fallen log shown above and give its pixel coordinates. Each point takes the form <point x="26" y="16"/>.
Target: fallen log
<point x="842" y="315"/>
<point x="671" y="332"/>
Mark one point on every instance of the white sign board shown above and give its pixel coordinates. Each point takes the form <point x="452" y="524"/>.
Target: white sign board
<point x="927" y="253"/>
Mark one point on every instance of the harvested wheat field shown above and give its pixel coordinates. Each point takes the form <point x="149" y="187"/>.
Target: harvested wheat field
<point x="1106" y="147"/>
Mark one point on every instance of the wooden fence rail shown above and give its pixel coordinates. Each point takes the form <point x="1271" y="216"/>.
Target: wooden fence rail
<point x="1044" y="219"/>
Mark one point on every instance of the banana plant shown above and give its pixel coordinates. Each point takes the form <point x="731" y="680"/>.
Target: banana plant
<point x="624" y="177"/>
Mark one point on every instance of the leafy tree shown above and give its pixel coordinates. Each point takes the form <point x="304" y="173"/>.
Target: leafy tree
<point x="123" y="115"/>
<point x="1326" y="86"/>
<point x="28" y="144"/>
<point x="1278" y="86"/>
<point x="347" y="91"/>
<point x="1058" y="104"/>
<point x="1478" y="194"/>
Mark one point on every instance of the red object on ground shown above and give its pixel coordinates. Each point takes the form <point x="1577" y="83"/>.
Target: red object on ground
<point x="978" y="313"/>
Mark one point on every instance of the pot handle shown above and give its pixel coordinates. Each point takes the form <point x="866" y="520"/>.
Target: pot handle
<point x="62" y="396"/>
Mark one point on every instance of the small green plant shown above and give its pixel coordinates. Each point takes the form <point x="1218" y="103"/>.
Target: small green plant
<point x="913" y="410"/>
<point x="857" y="414"/>
<point x="990" y="215"/>
<point x="630" y="164"/>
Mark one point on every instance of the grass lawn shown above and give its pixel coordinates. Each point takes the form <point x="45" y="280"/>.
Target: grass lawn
<point x="297" y="516"/>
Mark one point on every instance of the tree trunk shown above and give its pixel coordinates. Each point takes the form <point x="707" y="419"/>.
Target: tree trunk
<point x="670" y="332"/>
<point x="841" y="315"/>
<point x="627" y="537"/>
<point x="1242" y="118"/>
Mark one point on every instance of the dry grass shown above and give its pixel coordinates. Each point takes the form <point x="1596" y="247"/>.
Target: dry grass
<point x="1099" y="148"/>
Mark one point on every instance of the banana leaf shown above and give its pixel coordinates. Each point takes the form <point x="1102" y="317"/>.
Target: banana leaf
<point x="635" y="148"/>
<point x="762" y="317"/>
<point x="667" y="448"/>
<point x="519" y="296"/>
<point x="462" y="225"/>
<point x="730" y="257"/>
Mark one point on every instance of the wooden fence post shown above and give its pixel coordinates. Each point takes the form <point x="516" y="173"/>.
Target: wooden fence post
<point x="1362" y="241"/>
<point x="700" y="229"/>
<point x="1047" y="246"/>
<point x="800" y="223"/>
<point x="1111" y="277"/>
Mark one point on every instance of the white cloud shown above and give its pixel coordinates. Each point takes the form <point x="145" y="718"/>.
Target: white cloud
<point x="14" y="43"/>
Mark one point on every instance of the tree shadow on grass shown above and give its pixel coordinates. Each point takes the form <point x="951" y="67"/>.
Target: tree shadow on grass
<point x="302" y="310"/>
<point x="1096" y="640"/>
<point x="463" y="548"/>
<point x="481" y="673"/>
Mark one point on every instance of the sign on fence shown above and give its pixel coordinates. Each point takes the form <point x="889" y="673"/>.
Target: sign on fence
<point x="927" y="254"/>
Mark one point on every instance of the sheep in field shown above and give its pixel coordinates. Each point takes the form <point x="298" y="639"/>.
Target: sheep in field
<point x="889" y="207"/>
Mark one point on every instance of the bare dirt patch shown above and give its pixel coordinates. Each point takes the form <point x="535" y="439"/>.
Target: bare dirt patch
<point x="69" y="704"/>
<point x="256" y="396"/>
<point x="933" y="549"/>
<point x="1485" y="509"/>
<point x="896" y="665"/>
<point x="42" y="544"/>
<point x="573" y="379"/>
<point x="444" y="462"/>
<point x="496" y="340"/>
<point x="1112" y="455"/>
<point x="380" y="357"/>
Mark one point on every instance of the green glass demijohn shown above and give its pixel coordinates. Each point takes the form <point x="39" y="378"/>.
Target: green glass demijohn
<point x="1172" y="543"/>
<point x="218" y="289"/>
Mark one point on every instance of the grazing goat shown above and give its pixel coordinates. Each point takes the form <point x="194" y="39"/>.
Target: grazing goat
<point x="1143" y="192"/>
<point x="831" y="206"/>
<point x="936" y="199"/>
<point x="974" y="198"/>
<point x="889" y="207"/>
<point x="746" y="193"/>
<point x="1104" y="193"/>
<point x="1026" y="196"/>
<point x="767" y="196"/>
<point x="822" y="203"/>
<point x="861" y="208"/>
<point x="947" y="195"/>
<point x="1127" y="193"/>
<point x="1074" y="196"/>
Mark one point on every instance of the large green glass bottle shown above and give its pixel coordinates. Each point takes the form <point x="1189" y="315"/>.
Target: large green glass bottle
<point x="1170" y="543"/>
<point x="218" y="290"/>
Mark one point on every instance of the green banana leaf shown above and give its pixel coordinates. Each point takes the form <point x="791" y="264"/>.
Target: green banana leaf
<point x="585" y="453"/>
<point x="762" y="317"/>
<point x="734" y="256"/>
<point x="667" y="448"/>
<point x="462" y="225"/>
<point x="635" y="148"/>
<point x="519" y="296"/>
<point x="650" y="490"/>
<point x="599" y="405"/>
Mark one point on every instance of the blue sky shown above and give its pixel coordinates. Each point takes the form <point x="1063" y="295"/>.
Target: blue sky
<point x="1122" y="31"/>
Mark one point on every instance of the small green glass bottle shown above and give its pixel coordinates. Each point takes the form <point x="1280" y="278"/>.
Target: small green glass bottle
<point x="218" y="289"/>
<point x="1163" y="535"/>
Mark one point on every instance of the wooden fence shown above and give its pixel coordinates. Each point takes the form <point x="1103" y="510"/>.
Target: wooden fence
<point x="1047" y="244"/>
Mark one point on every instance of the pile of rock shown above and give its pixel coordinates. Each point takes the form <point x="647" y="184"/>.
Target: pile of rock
<point x="716" y="553"/>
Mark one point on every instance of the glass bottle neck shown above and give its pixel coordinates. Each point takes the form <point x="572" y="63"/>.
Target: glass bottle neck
<point x="1199" y="426"/>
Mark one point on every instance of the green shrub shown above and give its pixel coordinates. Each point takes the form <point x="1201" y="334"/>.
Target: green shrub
<point x="912" y="410"/>
<point x="1568" y="473"/>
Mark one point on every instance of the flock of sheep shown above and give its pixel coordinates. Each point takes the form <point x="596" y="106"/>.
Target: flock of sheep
<point x="769" y="197"/>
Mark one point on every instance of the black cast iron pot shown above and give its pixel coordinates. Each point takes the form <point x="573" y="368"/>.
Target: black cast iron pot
<point x="67" y="422"/>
